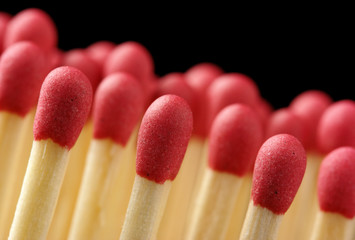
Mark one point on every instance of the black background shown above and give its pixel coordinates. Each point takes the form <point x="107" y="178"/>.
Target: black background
<point x="285" y="49"/>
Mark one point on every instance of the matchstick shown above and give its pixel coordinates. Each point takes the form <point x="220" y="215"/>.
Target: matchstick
<point x="235" y="137"/>
<point x="309" y="107"/>
<point x="336" y="196"/>
<point x="162" y="141"/>
<point x="118" y="106"/>
<point x="22" y="70"/>
<point x="63" y="107"/>
<point x="278" y="172"/>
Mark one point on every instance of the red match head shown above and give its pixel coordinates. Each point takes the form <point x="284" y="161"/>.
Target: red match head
<point x="99" y="51"/>
<point x="163" y="137"/>
<point x="4" y="20"/>
<point x="118" y="107"/>
<point x="22" y="71"/>
<point x="63" y="106"/>
<point x="199" y="77"/>
<point x="235" y="138"/>
<point x="336" y="182"/>
<point x="336" y="126"/>
<point x="231" y="88"/>
<point x="285" y="121"/>
<point x="174" y="83"/>
<point x="33" y="25"/>
<point x="278" y="172"/>
<point x="79" y="59"/>
<point x="309" y="106"/>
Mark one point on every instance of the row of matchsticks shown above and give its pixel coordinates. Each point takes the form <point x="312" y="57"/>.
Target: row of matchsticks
<point x="94" y="145"/>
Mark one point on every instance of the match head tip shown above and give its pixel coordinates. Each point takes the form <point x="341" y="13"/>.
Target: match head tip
<point x="22" y="71"/>
<point x="278" y="172"/>
<point x="63" y="106"/>
<point x="163" y="137"/>
<point x="118" y="105"/>
<point x="335" y="127"/>
<point x="309" y="106"/>
<point x="32" y="24"/>
<point x="235" y="138"/>
<point x="336" y="182"/>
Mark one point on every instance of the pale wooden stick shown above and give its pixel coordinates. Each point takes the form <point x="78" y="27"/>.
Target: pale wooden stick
<point x="214" y="205"/>
<point x="176" y="211"/>
<point x="145" y="209"/>
<point x="240" y="208"/>
<point x="103" y="159"/>
<point x="260" y="224"/>
<point x="331" y="226"/>
<point x="40" y="190"/>
<point x="63" y="214"/>
<point x="15" y="175"/>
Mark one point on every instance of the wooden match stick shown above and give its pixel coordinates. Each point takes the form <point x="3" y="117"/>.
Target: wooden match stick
<point x="22" y="70"/>
<point x="235" y="137"/>
<point x="336" y="196"/>
<point x="162" y="141"/>
<point x="278" y="172"/>
<point x="63" y="107"/>
<point x="118" y="106"/>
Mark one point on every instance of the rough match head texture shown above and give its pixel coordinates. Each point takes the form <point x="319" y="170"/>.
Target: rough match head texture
<point x="22" y="71"/>
<point x="235" y="138"/>
<point x="231" y="88"/>
<point x="336" y="126"/>
<point x="33" y="25"/>
<point x="336" y="182"/>
<point x="118" y="106"/>
<point x="163" y="137"/>
<point x="63" y="107"/>
<point x="199" y="77"/>
<point x="278" y="172"/>
<point x="309" y="106"/>
<point x="284" y="120"/>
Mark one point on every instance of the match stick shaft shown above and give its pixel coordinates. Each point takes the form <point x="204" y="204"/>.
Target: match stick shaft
<point x="102" y="161"/>
<point x="145" y="209"/>
<point x="260" y="224"/>
<point x="40" y="189"/>
<point x="330" y="226"/>
<point x="214" y="206"/>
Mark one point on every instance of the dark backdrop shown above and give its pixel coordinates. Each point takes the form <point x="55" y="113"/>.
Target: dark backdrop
<point x="286" y="52"/>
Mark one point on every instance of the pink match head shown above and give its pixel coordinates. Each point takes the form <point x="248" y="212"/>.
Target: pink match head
<point x="99" y="51"/>
<point x="118" y="106"/>
<point x="278" y="172"/>
<point x="4" y="20"/>
<point x="163" y="137"/>
<point x="235" y="138"/>
<point x="63" y="106"/>
<point x="22" y="71"/>
<point x="34" y="25"/>
<point x="199" y="78"/>
<point x="79" y="59"/>
<point x="135" y="59"/>
<point x="336" y="182"/>
<point x="309" y="106"/>
<point x="285" y="121"/>
<point x="174" y="83"/>
<point x="336" y="126"/>
<point x="231" y="88"/>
